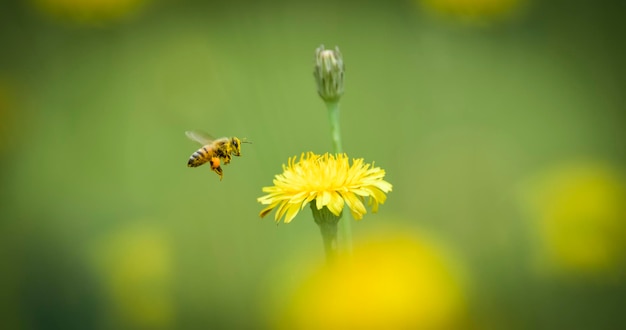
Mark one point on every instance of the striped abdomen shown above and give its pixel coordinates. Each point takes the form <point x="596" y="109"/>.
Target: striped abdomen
<point x="201" y="156"/>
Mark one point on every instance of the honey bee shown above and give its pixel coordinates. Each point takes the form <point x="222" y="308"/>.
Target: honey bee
<point x="214" y="150"/>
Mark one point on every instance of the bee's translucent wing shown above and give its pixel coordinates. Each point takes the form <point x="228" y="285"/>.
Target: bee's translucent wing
<point x="200" y="137"/>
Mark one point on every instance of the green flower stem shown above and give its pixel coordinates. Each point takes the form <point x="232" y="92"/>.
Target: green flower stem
<point x="329" y="74"/>
<point x="327" y="222"/>
<point x="333" y="116"/>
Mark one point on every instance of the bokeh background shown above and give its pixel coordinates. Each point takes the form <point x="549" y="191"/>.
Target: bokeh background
<point x="500" y="124"/>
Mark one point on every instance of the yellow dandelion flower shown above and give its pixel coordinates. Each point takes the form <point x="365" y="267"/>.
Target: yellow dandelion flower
<point x="330" y="181"/>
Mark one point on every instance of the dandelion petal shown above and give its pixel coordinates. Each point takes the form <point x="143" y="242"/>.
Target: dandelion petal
<point x="356" y="206"/>
<point x="336" y="203"/>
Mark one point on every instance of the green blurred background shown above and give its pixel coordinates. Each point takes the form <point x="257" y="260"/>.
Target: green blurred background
<point x="500" y="124"/>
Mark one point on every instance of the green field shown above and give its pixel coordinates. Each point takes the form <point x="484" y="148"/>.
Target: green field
<point x="501" y="128"/>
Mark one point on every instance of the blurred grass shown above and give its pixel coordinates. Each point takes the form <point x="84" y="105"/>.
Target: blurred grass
<point x="460" y="116"/>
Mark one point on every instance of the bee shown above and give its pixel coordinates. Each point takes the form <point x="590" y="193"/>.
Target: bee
<point x="214" y="150"/>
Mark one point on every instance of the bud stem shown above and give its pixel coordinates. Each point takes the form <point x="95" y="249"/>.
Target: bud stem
<point x="335" y="132"/>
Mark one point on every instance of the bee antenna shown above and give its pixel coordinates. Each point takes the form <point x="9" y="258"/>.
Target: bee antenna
<point x="245" y="141"/>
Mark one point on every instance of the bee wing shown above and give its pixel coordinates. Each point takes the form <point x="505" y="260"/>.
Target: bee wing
<point x="200" y="137"/>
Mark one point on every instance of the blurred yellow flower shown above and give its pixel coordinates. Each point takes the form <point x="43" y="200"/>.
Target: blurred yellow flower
<point x="90" y="11"/>
<point x="136" y="267"/>
<point x="393" y="281"/>
<point x="474" y="10"/>
<point x="580" y="213"/>
<point x="6" y="116"/>
<point x="330" y="181"/>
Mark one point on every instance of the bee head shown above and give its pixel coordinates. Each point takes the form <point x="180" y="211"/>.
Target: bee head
<point x="236" y="145"/>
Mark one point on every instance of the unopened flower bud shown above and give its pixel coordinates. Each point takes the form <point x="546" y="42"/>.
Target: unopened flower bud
<point x="328" y="73"/>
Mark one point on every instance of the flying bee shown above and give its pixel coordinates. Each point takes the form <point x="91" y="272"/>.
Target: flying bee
<point x="213" y="150"/>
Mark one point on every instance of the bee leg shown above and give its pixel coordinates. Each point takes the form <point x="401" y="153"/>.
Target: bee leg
<point x="219" y="172"/>
<point x="215" y="166"/>
<point x="227" y="159"/>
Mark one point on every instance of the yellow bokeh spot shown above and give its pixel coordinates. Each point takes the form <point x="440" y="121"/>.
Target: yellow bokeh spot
<point x="395" y="281"/>
<point x="6" y="116"/>
<point x="580" y="213"/>
<point x="90" y="11"/>
<point x="474" y="10"/>
<point x="136" y="266"/>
